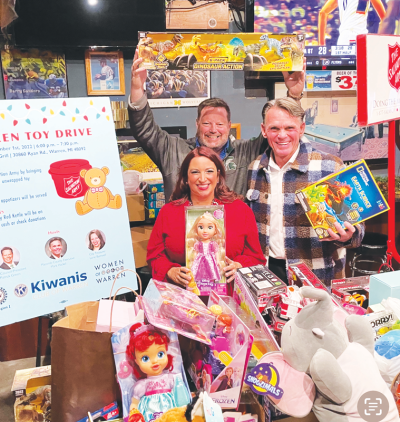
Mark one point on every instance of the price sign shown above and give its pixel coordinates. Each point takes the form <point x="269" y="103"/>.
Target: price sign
<point x="344" y="80"/>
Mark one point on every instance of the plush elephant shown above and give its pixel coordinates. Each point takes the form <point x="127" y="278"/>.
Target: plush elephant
<point x="339" y="359"/>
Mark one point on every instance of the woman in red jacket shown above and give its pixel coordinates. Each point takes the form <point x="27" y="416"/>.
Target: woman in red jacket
<point x="202" y="182"/>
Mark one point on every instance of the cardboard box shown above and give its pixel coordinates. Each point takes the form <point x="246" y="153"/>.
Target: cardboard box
<point x="153" y="186"/>
<point x="27" y="380"/>
<point x="140" y="239"/>
<point x="384" y="285"/>
<point x="155" y="204"/>
<point x="32" y="389"/>
<point x="182" y="14"/>
<point x="151" y="213"/>
<point x="135" y="204"/>
<point x="221" y="51"/>
<point x="159" y="196"/>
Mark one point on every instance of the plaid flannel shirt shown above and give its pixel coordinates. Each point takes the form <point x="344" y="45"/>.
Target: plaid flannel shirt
<point x="326" y="259"/>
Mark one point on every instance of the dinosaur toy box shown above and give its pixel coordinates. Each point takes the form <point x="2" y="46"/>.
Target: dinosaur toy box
<point x="349" y="195"/>
<point x="205" y="51"/>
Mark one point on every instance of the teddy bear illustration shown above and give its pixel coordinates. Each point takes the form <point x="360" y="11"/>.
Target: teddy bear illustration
<point x="97" y="196"/>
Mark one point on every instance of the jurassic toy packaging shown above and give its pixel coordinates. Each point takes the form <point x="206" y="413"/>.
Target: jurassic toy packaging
<point x="349" y="195"/>
<point x="204" y="51"/>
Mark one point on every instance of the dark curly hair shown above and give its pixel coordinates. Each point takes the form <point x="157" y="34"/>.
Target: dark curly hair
<point x="181" y="192"/>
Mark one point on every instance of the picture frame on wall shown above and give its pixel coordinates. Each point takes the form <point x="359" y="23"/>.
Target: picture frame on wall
<point x="104" y="72"/>
<point x="334" y="106"/>
<point x="34" y="73"/>
<point x="182" y="88"/>
<point x="235" y="130"/>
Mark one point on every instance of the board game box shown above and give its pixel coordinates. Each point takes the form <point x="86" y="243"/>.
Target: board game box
<point x="223" y="51"/>
<point x="349" y="195"/>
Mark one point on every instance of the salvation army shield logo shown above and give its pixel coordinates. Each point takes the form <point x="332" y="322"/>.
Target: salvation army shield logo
<point x="394" y="66"/>
<point x="73" y="186"/>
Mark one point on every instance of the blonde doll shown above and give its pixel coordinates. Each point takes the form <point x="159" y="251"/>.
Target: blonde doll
<point x="206" y="245"/>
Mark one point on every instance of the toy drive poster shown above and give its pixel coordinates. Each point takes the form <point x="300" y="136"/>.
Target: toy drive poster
<point x="63" y="217"/>
<point x="34" y="73"/>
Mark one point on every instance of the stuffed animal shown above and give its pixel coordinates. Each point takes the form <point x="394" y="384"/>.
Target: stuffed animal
<point x="339" y="359"/>
<point x="193" y="412"/>
<point x="97" y="196"/>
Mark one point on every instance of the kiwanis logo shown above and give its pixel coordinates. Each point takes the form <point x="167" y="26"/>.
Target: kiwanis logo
<point x="21" y="290"/>
<point x="264" y="380"/>
<point x="3" y="295"/>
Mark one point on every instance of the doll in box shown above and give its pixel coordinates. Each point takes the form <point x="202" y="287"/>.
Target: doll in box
<point x="156" y="391"/>
<point x="206" y="246"/>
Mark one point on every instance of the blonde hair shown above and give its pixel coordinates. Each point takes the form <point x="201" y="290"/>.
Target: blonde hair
<point x="287" y="104"/>
<point x="218" y="237"/>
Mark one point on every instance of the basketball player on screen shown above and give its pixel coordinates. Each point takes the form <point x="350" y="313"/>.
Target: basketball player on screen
<point x="391" y="23"/>
<point x="353" y="18"/>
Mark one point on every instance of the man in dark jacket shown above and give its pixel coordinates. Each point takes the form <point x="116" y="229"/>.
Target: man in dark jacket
<point x="213" y="125"/>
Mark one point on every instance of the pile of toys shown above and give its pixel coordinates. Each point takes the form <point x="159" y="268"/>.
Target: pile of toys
<point x="182" y="344"/>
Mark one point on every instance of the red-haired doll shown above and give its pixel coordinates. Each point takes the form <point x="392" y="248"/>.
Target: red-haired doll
<point x="153" y="393"/>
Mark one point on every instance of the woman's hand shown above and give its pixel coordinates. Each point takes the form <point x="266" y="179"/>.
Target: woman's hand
<point x="230" y="270"/>
<point x="179" y="275"/>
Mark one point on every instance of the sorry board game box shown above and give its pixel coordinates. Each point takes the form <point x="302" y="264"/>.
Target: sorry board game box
<point x="223" y="51"/>
<point x="349" y="195"/>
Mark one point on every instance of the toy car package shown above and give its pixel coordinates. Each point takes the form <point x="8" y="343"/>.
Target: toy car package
<point x="349" y="195"/>
<point x="263" y="284"/>
<point x="353" y="290"/>
<point x="222" y="51"/>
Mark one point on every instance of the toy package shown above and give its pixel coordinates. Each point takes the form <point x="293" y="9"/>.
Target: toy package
<point x="222" y="51"/>
<point x="32" y="390"/>
<point x="352" y="291"/>
<point x="34" y="406"/>
<point x="171" y="307"/>
<point x="219" y="368"/>
<point x="26" y="380"/>
<point x="107" y="413"/>
<point x="263" y="284"/>
<point x="382" y="322"/>
<point x="349" y="195"/>
<point x="300" y="275"/>
<point x="246" y="308"/>
<point x="149" y="371"/>
<point x="205" y="249"/>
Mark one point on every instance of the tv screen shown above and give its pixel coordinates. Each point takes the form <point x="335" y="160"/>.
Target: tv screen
<point x="330" y="26"/>
<point x="72" y="23"/>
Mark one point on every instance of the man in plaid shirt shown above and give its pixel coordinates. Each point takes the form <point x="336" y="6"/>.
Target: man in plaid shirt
<point x="289" y="164"/>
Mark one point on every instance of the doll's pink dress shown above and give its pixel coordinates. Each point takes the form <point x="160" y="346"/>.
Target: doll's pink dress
<point x="205" y="266"/>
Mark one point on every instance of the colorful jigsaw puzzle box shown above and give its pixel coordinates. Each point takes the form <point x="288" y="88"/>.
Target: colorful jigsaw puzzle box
<point x="243" y="51"/>
<point x="349" y="195"/>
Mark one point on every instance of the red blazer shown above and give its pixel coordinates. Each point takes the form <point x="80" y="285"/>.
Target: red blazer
<point x="166" y="248"/>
